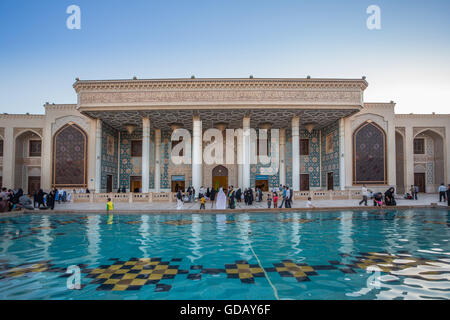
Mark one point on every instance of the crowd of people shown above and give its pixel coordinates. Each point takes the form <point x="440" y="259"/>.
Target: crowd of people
<point x="223" y="200"/>
<point x="389" y="197"/>
<point x="12" y="200"/>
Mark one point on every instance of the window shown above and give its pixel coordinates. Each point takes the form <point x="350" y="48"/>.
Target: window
<point x="136" y="148"/>
<point x="419" y="146"/>
<point x="35" y="148"/>
<point x="1" y="148"/>
<point x="304" y="147"/>
<point x="329" y="143"/>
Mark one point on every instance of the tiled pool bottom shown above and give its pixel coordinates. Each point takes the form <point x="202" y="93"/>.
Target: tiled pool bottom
<point x="321" y="255"/>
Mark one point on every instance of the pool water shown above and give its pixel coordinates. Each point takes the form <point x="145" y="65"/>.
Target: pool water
<point x="317" y="255"/>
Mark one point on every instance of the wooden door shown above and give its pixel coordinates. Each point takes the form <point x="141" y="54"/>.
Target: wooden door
<point x="304" y="182"/>
<point x="263" y="184"/>
<point x="34" y="184"/>
<point x="330" y="181"/>
<point x="419" y="180"/>
<point x="220" y="182"/>
<point x="135" y="184"/>
<point x="109" y="183"/>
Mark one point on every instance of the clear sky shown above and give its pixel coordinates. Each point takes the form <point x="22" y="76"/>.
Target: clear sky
<point x="407" y="61"/>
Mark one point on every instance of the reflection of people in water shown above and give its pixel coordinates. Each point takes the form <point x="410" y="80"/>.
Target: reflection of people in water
<point x="109" y="209"/>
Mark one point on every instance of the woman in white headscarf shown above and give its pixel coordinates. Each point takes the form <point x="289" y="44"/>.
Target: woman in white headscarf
<point x="221" y="202"/>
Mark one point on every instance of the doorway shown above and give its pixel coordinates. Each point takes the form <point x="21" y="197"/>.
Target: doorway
<point x="109" y="183"/>
<point x="263" y="184"/>
<point x="330" y="181"/>
<point x="419" y="180"/>
<point x="220" y="178"/>
<point x="178" y="184"/>
<point x="34" y="184"/>
<point x="304" y="182"/>
<point x="135" y="184"/>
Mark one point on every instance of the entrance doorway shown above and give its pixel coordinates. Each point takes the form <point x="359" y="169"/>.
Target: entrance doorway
<point x="109" y="183"/>
<point x="178" y="183"/>
<point x="419" y="180"/>
<point x="34" y="184"/>
<point x="135" y="184"/>
<point x="220" y="178"/>
<point x="330" y="181"/>
<point x="304" y="182"/>
<point x="262" y="182"/>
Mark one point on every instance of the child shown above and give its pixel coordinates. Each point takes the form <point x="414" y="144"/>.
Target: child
<point x="269" y="201"/>
<point x="202" y="202"/>
<point x="109" y="208"/>
<point x="275" y="200"/>
<point x="309" y="203"/>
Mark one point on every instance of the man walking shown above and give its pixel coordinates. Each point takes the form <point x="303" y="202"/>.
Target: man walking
<point x="364" y="195"/>
<point x="442" y="190"/>
<point x="448" y="195"/>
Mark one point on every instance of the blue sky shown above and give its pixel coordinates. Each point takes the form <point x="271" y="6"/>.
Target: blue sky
<point x="407" y="61"/>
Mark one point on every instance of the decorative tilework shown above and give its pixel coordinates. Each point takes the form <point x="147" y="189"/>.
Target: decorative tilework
<point x="109" y="162"/>
<point x="330" y="161"/>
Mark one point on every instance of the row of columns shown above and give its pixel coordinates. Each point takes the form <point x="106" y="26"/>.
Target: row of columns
<point x="243" y="153"/>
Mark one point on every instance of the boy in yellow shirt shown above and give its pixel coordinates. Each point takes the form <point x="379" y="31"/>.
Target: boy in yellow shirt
<point x="202" y="202"/>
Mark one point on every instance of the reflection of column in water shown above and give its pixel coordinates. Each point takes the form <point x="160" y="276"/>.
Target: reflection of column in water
<point x="44" y="237"/>
<point x="295" y="235"/>
<point x="145" y="240"/>
<point x="244" y="230"/>
<point x="196" y="229"/>
<point x="6" y="241"/>
<point x="346" y="232"/>
<point x="93" y="237"/>
<point x="410" y="231"/>
<point x="221" y="224"/>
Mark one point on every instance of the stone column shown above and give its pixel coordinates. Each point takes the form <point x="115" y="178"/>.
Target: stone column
<point x="342" y="173"/>
<point x="145" y="154"/>
<point x="391" y="154"/>
<point x="409" y="157"/>
<point x="296" y="153"/>
<point x="282" y="157"/>
<point x="246" y="153"/>
<point x="447" y="153"/>
<point x="98" y="156"/>
<point x="240" y="161"/>
<point x="157" y="160"/>
<point x="197" y="156"/>
<point x="8" y="158"/>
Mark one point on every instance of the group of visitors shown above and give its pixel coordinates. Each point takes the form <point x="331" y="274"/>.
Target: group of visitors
<point x="286" y="196"/>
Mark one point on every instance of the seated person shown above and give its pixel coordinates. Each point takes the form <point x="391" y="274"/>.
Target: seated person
<point x="25" y="202"/>
<point x="389" y="197"/>
<point x="378" y="199"/>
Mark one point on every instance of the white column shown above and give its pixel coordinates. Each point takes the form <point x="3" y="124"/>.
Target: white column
<point x="8" y="158"/>
<point x="447" y="153"/>
<point x="409" y="157"/>
<point x="46" y="158"/>
<point x="157" y="160"/>
<point x="197" y="159"/>
<point x="341" y="153"/>
<point x="391" y="151"/>
<point x="282" y="157"/>
<point x="98" y="155"/>
<point x="296" y="153"/>
<point x="145" y="154"/>
<point x="246" y="153"/>
<point x="240" y="161"/>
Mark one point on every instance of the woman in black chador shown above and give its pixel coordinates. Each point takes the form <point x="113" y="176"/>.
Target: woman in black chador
<point x="231" y="198"/>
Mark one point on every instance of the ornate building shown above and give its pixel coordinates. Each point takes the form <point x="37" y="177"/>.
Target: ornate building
<point x="118" y="135"/>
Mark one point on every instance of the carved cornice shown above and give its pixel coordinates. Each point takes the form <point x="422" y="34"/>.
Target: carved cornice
<point x="205" y="84"/>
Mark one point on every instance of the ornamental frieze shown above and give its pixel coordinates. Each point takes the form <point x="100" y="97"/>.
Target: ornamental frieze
<point x="222" y="96"/>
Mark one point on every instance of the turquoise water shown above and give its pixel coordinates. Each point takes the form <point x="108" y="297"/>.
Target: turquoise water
<point x="320" y="255"/>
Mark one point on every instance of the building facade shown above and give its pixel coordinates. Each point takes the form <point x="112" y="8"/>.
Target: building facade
<point x="119" y="136"/>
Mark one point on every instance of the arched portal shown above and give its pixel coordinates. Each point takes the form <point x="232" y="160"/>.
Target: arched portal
<point x="220" y="178"/>
<point x="369" y="155"/>
<point x="27" y="159"/>
<point x="70" y="157"/>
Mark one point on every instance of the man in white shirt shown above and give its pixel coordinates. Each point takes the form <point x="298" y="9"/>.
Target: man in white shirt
<point x="364" y="193"/>
<point x="442" y="189"/>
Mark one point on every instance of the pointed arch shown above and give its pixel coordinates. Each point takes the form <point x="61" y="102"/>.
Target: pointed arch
<point x="369" y="154"/>
<point x="70" y="157"/>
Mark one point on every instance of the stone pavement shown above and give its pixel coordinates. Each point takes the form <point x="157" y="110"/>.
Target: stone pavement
<point x="424" y="200"/>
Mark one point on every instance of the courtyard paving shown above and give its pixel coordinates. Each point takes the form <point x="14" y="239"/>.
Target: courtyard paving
<point x="424" y="200"/>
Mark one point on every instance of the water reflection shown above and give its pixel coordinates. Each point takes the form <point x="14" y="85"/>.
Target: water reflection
<point x="346" y="232"/>
<point x="295" y="235"/>
<point x="195" y="239"/>
<point x="145" y="236"/>
<point x="94" y="239"/>
<point x="243" y="226"/>
<point x="44" y="237"/>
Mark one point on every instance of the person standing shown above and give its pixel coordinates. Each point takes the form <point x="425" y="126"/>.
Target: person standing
<point x="364" y="193"/>
<point x="283" y="196"/>
<point x="213" y="196"/>
<point x="442" y="192"/>
<point x="202" y="202"/>
<point x="448" y="195"/>
<point x="287" y="201"/>
<point x="416" y="192"/>
<point x="413" y="192"/>
<point x="179" y="200"/>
